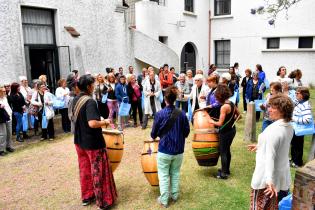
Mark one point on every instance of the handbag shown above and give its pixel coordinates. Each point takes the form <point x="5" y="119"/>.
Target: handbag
<point x="33" y="109"/>
<point x="4" y="116"/>
<point x="161" y="98"/>
<point x="104" y="98"/>
<point x="233" y="98"/>
<point x="304" y="129"/>
<point x="189" y="113"/>
<point x="44" y="120"/>
<point x="124" y="109"/>
<point x="58" y="103"/>
<point x="25" y="121"/>
<point x="259" y="102"/>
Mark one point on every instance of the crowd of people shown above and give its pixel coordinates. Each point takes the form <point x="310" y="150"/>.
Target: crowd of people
<point x="160" y="96"/>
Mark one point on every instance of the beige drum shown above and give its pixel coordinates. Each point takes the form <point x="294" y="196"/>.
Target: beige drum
<point x="114" y="146"/>
<point x="149" y="161"/>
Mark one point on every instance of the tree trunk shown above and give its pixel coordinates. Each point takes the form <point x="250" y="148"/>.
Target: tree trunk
<point x="250" y="123"/>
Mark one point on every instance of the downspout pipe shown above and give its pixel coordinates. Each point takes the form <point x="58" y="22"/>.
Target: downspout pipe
<point x="209" y="59"/>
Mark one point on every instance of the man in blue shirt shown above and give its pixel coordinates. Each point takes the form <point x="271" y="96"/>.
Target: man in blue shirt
<point x="172" y="126"/>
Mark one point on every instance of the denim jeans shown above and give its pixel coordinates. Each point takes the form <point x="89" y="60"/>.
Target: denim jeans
<point x="19" y="124"/>
<point x="168" y="172"/>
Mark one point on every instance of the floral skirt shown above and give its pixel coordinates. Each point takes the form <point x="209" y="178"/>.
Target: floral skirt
<point x="260" y="201"/>
<point x="96" y="177"/>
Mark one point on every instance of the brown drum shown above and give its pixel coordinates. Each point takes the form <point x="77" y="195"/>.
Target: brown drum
<point x="205" y="143"/>
<point x="149" y="161"/>
<point x="114" y="146"/>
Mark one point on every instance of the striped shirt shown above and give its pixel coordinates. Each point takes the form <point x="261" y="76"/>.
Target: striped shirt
<point x="302" y="113"/>
<point x="173" y="142"/>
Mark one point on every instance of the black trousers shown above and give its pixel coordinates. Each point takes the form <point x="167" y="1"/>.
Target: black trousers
<point x="102" y="107"/>
<point x="136" y="105"/>
<point x="297" y="145"/>
<point x="163" y="102"/>
<point x="38" y="122"/>
<point x="226" y="139"/>
<point x="49" y="131"/>
<point x="65" y="122"/>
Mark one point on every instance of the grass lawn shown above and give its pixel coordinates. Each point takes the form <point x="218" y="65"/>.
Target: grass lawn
<point x="45" y="176"/>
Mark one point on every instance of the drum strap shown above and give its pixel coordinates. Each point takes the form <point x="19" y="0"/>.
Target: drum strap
<point x="169" y="124"/>
<point x="82" y="100"/>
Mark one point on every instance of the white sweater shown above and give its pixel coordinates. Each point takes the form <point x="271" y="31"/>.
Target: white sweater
<point x="272" y="157"/>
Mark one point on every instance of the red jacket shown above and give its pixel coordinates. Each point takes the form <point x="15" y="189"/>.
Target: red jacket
<point x="166" y="80"/>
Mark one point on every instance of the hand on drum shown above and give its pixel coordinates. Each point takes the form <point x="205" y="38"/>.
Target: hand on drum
<point x="107" y="122"/>
<point x="252" y="147"/>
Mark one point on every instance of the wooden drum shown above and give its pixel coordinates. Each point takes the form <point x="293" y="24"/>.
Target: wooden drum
<point x="114" y="146"/>
<point x="205" y="143"/>
<point x="149" y="161"/>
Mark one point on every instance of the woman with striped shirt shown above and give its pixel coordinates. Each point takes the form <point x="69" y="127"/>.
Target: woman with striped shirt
<point x="302" y="114"/>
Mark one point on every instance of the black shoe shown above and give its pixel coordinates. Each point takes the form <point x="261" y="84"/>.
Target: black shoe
<point x="2" y="153"/>
<point x="25" y="136"/>
<point x="19" y="139"/>
<point x="9" y="149"/>
<point x="88" y="201"/>
<point x="103" y="207"/>
<point x="228" y="173"/>
<point x="221" y="175"/>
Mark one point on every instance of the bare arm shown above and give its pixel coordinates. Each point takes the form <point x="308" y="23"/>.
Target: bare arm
<point x="98" y="123"/>
<point x="223" y="112"/>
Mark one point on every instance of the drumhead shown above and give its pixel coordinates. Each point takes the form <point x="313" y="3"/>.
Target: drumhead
<point x="154" y="141"/>
<point x="112" y="132"/>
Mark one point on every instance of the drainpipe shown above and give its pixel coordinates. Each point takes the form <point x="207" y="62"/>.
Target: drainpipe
<point x="209" y="39"/>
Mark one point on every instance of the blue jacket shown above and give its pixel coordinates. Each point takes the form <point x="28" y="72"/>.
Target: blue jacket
<point x="121" y="93"/>
<point x="173" y="142"/>
<point x="249" y="90"/>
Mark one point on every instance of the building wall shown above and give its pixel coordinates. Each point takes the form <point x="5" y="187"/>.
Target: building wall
<point x="155" y="20"/>
<point x="105" y="40"/>
<point x="248" y="35"/>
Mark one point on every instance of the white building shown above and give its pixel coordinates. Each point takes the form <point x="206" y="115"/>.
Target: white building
<point x="249" y="39"/>
<point x="36" y="36"/>
<point x="235" y="34"/>
<point x="53" y="37"/>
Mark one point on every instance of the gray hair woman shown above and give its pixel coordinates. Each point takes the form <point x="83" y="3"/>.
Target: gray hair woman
<point x="272" y="179"/>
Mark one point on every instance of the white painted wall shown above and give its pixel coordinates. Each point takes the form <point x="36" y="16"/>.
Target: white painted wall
<point x="105" y="40"/>
<point x="155" y="21"/>
<point x="247" y="32"/>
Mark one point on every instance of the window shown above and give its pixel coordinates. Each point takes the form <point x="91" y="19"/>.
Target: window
<point x="306" y="42"/>
<point x="273" y="43"/>
<point x="160" y="2"/>
<point x="222" y="53"/>
<point x="38" y="26"/>
<point x="222" y="7"/>
<point x="189" y="5"/>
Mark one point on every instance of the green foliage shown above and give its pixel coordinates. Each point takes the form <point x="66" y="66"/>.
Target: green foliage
<point x="273" y="7"/>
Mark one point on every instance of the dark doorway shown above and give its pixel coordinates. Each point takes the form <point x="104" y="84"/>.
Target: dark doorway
<point x="42" y="61"/>
<point x="188" y="58"/>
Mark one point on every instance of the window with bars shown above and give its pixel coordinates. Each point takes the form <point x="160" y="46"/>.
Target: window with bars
<point x="222" y="7"/>
<point x="38" y="26"/>
<point x="222" y="53"/>
<point x="273" y="43"/>
<point x="306" y="42"/>
<point x="189" y="5"/>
